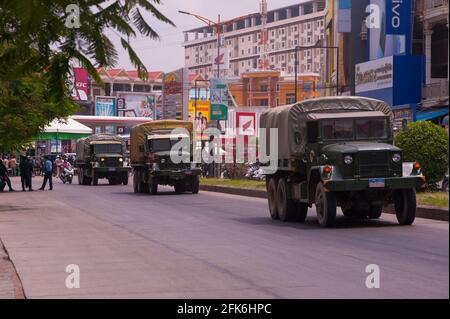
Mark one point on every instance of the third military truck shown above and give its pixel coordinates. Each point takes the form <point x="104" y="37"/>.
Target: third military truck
<point x="152" y="145"/>
<point x="338" y="151"/>
<point x="101" y="156"/>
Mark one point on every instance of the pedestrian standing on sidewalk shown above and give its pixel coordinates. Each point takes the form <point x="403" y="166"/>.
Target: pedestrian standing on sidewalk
<point x="48" y="172"/>
<point x="26" y="171"/>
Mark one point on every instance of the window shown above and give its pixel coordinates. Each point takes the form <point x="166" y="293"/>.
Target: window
<point x="249" y="39"/>
<point x="312" y="130"/>
<point x="107" y="148"/>
<point x="337" y="129"/>
<point x="371" y="128"/>
<point x="290" y="98"/>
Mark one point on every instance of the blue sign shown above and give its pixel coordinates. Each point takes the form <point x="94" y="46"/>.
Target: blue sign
<point x="398" y="17"/>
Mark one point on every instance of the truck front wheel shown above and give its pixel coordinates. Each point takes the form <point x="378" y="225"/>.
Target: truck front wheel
<point x="272" y="198"/>
<point x="135" y="182"/>
<point x="95" y="179"/>
<point x="195" y="184"/>
<point x="125" y="179"/>
<point x="152" y="186"/>
<point x="286" y="206"/>
<point x="405" y="206"/>
<point x="325" y="206"/>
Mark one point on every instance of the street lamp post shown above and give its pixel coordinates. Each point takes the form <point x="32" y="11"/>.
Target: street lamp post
<point x="302" y="48"/>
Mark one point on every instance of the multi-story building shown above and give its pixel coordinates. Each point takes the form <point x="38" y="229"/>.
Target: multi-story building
<point x="295" y="25"/>
<point x="270" y="89"/>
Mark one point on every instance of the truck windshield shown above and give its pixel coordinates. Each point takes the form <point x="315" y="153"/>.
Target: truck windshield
<point x="341" y="129"/>
<point x="371" y="128"/>
<point x="107" y="148"/>
<point x="161" y="145"/>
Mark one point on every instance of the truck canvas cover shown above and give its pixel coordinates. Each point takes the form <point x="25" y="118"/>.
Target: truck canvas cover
<point x="83" y="144"/>
<point x="291" y="119"/>
<point x="139" y="134"/>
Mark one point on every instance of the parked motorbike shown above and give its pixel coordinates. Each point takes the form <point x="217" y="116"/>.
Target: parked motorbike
<point x="255" y="172"/>
<point x="445" y="183"/>
<point x="66" y="175"/>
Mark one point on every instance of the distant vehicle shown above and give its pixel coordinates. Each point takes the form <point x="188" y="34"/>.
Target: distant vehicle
<point x="151" y="147"/>
<point x="337" y="151"/>
<point x="66" y="175"/>
<point x="101" y="156"/>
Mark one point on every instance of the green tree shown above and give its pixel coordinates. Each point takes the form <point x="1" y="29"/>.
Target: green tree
<point x="38" y="47"/>
<point x="427" y="143"/>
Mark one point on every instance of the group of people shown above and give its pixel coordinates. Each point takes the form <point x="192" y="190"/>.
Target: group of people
<point x="26" y="170"/>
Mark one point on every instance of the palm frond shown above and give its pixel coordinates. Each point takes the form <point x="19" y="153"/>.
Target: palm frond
<point x="140" y="67"/>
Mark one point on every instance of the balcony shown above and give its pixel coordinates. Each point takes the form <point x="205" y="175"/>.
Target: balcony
<point x="435" y="94"/>
<point x="432" y="4"/>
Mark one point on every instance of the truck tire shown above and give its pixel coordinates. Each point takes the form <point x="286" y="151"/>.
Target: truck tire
<point x="152" y="186"/>
<point x="325" y="206"/>
<point x="195" y="184"/>
<point x="95" y="179"/>
<point x="112" y="181"/>
<point x="272" y="198"/>
<point x="80" y="178"/>
<point x="135" y="182"/>
<point x="125" y="179"/>
<point x="286" y="207"/>
<point x="88" y="180"/>
<point x="405" y="206"/>
<point x="375" y="211"/>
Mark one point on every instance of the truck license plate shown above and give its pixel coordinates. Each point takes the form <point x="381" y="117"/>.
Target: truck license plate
<point x="376" y="182"/>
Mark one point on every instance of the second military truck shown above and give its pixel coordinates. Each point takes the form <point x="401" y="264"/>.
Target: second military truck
<point x="337" y="151"/>
<point x="151" y="150"/>
<point x="101" y="156"/>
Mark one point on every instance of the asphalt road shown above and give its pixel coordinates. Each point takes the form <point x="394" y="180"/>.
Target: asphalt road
<point x="211" y="245"/>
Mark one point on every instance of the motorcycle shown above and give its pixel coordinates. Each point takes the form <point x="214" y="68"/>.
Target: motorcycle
<point x="254" y="172"/>
<point x="66" y="175"/>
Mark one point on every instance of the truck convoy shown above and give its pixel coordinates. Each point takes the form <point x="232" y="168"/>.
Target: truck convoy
<point x="101" y="156"/>
<point x="338" y="151"/>
<point x="151" y="147"/>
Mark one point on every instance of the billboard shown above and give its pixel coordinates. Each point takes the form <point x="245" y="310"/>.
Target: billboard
<point x="383" y="41"/>
<point x="221" y="58"/>
<point x="398" y="16"/>
<point x="374" y="75"/>
<point x="175" y="95"/>
<point x="219" y="99"/>
<point x="79" y="84"/>
<point x="136" y="104"/>
<point x="401" y="75"/>
<point x="245" y="123"/>
<point x="105" y="106"/>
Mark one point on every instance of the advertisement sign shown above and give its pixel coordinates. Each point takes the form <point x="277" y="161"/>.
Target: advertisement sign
<point x="79" y="84"/>
<point x="136" y="104"/>
<point x="175" y="95"/>
<point x="381" y="43"/>
<point x="398" y="16"/>
<point x="374" y="75"/>
<point x="199" y="113"/>
<point x="246" y="123"/>
<point x="219" y="99"/>
<point x="344" y="16"/>
<point x="221" y="58"/>
<point x="105" y="106"/>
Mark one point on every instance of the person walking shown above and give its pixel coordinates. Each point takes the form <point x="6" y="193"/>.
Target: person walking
<point x="26" y="173"/>
<point x="58" y="163"/>
<point x="48" y="173"/>
<point x="4" y="175"/>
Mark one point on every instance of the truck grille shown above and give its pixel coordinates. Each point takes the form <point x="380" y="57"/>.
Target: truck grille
<point x="374" y="164"/>
<point x="111" y="162"/>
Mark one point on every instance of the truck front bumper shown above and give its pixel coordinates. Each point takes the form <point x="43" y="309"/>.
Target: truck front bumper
<point x="177" y="174"/>
<point x="388" y="183"/>
<point x="112" y="169"/>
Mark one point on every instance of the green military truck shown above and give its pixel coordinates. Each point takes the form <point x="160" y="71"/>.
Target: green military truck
<point x="150" y="153"/>
<point x="338" y="151"/>
<point x="101" y="156"/>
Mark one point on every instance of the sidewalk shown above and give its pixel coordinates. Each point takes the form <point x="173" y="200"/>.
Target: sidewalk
<point x="10" y="285"/>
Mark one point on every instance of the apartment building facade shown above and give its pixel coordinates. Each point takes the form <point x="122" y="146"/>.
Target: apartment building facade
<point x="301" y="24"/>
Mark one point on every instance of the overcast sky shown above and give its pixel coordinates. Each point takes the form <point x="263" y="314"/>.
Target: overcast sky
<point x="168" y="54"/>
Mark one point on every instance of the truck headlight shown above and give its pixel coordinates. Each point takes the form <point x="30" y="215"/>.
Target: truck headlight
<point x="121" y="159"/>
<point x="348" y="159"/>
<point x="102" y="159"/>
<point x="155" y="166"/>
<point x="96" y="164"/>
<point x="396" y="158"/>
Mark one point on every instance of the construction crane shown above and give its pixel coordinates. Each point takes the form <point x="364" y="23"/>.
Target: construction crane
<point x="264" y="41"/>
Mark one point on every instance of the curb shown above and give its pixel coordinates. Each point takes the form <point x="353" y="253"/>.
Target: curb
<point x="427" y="212"/>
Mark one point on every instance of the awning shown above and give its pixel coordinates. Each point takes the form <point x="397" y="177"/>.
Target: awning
<point x="64" y="130"/>
<point x="426" y="115"/>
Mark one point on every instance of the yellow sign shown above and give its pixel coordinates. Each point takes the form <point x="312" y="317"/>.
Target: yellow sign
<point x="202" y="108"/>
